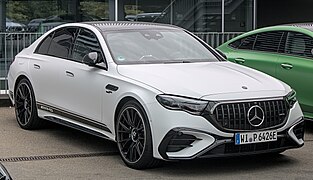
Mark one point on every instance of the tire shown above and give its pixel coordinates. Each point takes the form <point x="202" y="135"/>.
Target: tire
<point x="133" y="136"/>
<point x="25" y="106"/>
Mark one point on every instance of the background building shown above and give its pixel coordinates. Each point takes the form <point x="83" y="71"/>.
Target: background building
<point x="215" y="21"/>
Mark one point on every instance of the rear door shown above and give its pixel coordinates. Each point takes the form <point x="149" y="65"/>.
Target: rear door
<point x="45" y="64"/>
<point x="295" y="67"/>
<point x="83" y="86"/>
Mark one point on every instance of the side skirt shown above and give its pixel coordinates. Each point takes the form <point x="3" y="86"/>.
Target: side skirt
<point x="74" y="117"/>
<point x="75" y="126"/>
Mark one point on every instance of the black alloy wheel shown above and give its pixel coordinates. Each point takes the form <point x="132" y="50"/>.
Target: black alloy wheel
<point x="25" y="106"/>
<point x="133" y="137"/>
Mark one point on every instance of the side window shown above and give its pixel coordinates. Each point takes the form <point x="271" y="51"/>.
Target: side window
<point x="44" y="45"/>
<point x="62" y="42"/>
<point x="268" y="41"/>
<point x="299" y="44"/>
<point x="282" y="44"/>
<point x="85" y="43"/>
<point x="235" y="44"/>
<point x="244" y="43"/>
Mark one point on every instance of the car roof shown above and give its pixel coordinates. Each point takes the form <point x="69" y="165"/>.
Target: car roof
<point x="126" y="25"/>
<point x="308" y="26"/>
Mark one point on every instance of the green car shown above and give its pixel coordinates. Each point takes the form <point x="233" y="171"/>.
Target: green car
<point x="284" y="52"/>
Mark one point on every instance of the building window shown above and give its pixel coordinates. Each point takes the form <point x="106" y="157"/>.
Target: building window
<point x="193" y="15"/>
<point x="238" y="15"/>
<point x="43" y="15"/>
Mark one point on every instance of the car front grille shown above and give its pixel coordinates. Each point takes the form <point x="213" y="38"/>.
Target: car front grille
<point x="234" y="116"/>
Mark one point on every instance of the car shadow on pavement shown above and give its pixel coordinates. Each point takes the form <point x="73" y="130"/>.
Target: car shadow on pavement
<point x="229" y="165"/>
<point x="78" y="138"/>
<point x="189" y="167"/>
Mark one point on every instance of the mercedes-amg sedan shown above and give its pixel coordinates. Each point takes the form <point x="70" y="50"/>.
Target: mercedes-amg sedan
<point x="157" y="90"/>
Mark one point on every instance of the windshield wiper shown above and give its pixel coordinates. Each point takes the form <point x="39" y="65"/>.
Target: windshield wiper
<point x="181" y="61"/>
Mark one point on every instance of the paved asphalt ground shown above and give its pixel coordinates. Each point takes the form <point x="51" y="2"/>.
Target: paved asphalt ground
<point x="61" y="153"/>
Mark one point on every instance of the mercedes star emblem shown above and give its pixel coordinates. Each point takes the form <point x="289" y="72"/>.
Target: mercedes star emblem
<point x="255" y="116"/>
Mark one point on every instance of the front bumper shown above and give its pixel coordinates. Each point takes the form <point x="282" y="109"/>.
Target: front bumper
<point x="287" y="139"/>
<point x="189" y="137"/>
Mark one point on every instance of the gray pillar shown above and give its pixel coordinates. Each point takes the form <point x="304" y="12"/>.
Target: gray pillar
<point x="73" y="8"/>
<point x="121" y="13"/>
<point x="120" y="10"/>
<point x="2" y="15"/>
<point x="2" y="26"/>
<point x="111" y="10"/>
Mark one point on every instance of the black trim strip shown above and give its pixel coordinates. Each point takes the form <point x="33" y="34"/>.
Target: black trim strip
<point x="75" y="117"/>
<point x="75" y="126"/>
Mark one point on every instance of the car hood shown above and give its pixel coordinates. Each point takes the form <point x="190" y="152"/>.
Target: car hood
<point x="209" y="80"/>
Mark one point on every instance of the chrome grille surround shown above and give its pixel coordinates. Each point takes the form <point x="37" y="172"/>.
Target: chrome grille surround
<point x="232" y="116"/>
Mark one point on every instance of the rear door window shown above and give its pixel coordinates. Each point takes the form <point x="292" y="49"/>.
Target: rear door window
<point x="299" y="44"/>
<point x="268" y="41"/>
<point x="244" y="43"/>
<point x="43" y="47"/>
<point x="62" y="42"/>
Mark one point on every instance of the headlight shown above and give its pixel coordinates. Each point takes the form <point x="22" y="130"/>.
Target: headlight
<point x="192" y="106"/>
<point x="291" y="98"/>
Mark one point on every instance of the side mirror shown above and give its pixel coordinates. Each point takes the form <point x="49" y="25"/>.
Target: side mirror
<point x="221" y="53"/>
<point x="91" y="59"/>
<point x="4" y="175"/>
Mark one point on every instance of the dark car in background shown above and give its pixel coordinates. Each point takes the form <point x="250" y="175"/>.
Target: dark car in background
<point x="54" y="21"/>
<point x="146" y="17"/>
<point x="12" y="26"/>
<point x="34" y="24"/>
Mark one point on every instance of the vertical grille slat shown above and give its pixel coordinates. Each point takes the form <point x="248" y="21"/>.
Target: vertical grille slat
<point x="228" y="116"/>
<point x="239" y="120"/>
<point x="223" y="116"/>
<point x="270" y="111"/>
<point x="275" y="117"/>
<point x="233" y="107"/>
<point x="234" y="116"/>
<point x="245" y="115"/>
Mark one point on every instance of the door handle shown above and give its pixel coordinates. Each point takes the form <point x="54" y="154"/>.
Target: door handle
<point x="286" y="66"/>
<point x="36" y="66"/>
<point x="240" y="60"/>
<point x="69" y="74"/>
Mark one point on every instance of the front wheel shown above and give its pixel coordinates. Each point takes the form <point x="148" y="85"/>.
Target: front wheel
<point x="134" y="137"/>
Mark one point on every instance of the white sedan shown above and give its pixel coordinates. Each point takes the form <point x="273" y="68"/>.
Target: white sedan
<point x="157" y="90"/>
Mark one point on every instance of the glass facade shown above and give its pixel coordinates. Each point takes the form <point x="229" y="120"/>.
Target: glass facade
<point x="42" y="15"/>
<point x="194" y="15"/>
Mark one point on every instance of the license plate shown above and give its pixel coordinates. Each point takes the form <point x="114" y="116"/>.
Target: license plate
<point x="255" y="137"/>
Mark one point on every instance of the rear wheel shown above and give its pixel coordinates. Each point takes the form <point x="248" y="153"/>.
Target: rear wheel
<point x="134" y="138"/>
<point x="25" y="106"/>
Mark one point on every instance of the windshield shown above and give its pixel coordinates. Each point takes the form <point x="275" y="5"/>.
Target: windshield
<point x="156" y="46"/>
